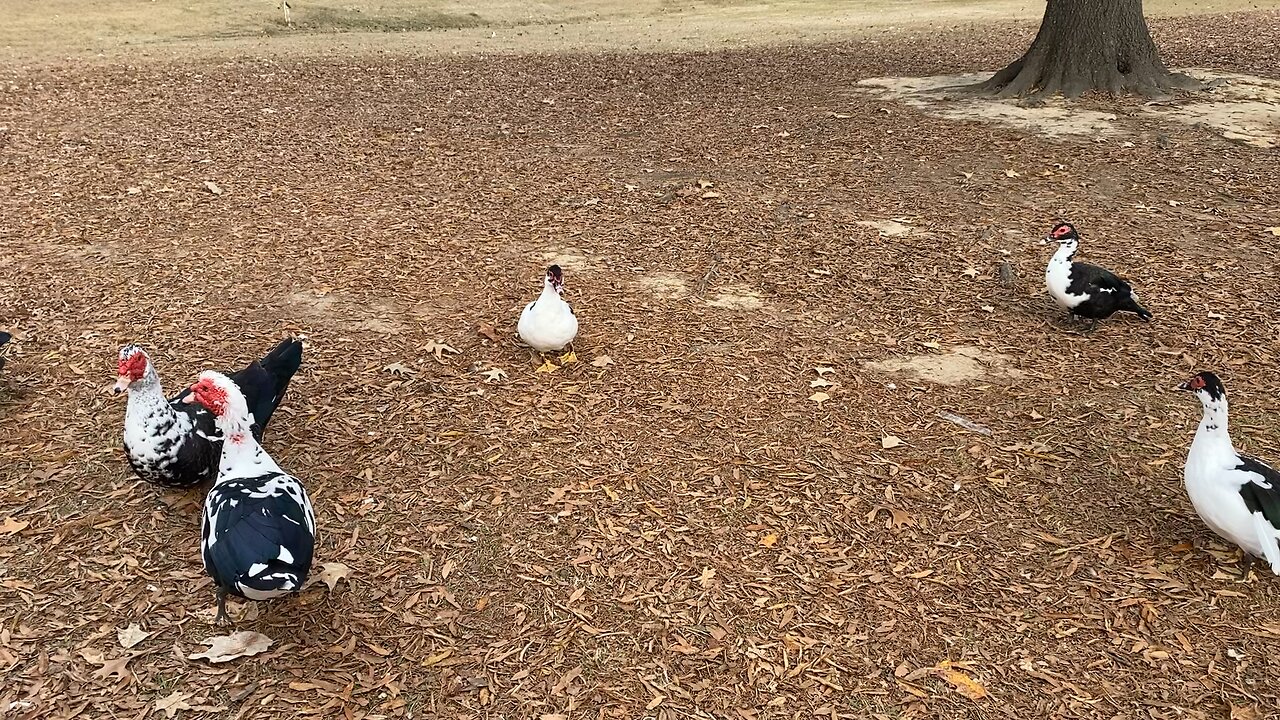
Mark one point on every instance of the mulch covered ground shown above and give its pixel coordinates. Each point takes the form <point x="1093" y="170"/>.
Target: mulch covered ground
<point x="675" y="526"/>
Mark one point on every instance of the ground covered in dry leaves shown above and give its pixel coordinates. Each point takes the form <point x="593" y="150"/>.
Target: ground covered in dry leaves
<point x="679" y="525"/>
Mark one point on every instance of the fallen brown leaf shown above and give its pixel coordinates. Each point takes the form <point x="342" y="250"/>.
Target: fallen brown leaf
<point x="225" y="648"/>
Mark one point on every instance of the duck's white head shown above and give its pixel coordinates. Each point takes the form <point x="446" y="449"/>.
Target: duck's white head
<point x="216" y="393"/>
<point x="133" y="367"/>
<point x="555" y="279"/>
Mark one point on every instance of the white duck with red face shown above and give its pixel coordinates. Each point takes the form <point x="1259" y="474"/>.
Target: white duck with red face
<point x="160" y="440"/>
<point x="258" y="531"/>
<point x="1236" y="495"/>
<point x="548" y="323"/>
<point x="175" y="444"/>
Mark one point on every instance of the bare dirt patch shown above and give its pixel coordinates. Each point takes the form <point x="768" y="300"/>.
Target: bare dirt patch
<point x="888" y="228"/>
<point x="666" y="285"/>
<point x="1243" y="108"/>
<point x="941" y="95"/>
<point x="957" y="366"/>
<point x="570" y="258"/>
<point x="736" y="297"/>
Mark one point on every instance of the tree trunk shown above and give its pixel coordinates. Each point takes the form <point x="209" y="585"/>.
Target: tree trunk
<point x="1089" y="45"/>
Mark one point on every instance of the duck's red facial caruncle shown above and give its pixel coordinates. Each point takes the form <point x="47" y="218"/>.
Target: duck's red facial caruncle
<point x="1062" y="231"/>
<point x="1205" y="382"/>
<point x="131" y="368"/>
<point x="207" y="393"/>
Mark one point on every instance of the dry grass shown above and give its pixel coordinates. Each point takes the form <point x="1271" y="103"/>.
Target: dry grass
<point x="680" y="532"/>
<point x="114" y="30"/>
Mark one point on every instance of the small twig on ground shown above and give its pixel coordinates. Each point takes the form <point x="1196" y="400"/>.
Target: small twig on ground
<point x="702" y="284"/>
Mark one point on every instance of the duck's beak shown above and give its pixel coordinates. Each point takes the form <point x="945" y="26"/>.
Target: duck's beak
<point x="1184" y="385"/>
<point x="122" y="384"/>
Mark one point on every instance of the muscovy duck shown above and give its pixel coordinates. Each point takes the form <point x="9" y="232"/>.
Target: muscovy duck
<point x="548" y="323"/>
<point x="258" y="533"/>
<point x="1083" y="290"/>
<point x="4" y="340"/>
<point x="175" y="444"/>
<point x="1238" y="496"/>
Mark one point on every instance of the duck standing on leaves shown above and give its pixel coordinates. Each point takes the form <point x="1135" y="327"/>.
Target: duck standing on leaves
<point x="1083" y="290"/>
<point x="258" y="531"/>
<point x="1236" y="495"/>
<point x="548" y="323"/>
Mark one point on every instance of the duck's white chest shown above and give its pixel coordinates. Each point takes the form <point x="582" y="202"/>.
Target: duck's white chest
<point x="152" y="436"/>
<point x="547" y="324"/>
<point x="1213" y="485"/>
<point x="1057" y="278"/>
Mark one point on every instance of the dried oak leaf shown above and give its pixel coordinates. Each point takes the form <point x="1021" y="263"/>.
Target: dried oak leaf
<point x="488" y="331"/>
<point x="12" y="526"/>
<point x="493" y="375"/>
<point x="966" y="685"/>
<point x="438" y="349"/>
<point x="602" y="361"/>
<point x="398" y="368"/>
<point x="1246" y="712"/>
<point x="117" y="667"/>
<point x="172" y="704"/>
<point x="130" y="636"/>
<point x="225" y="648"/>
<point x="331" y="574"/>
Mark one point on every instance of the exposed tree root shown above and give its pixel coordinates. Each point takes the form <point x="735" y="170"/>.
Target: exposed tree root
<point x="1034" y="79"/>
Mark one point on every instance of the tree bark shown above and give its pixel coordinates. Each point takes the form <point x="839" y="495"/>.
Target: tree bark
<point x="1086" y="45"/>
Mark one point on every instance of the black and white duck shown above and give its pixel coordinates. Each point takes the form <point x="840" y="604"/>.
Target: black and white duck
<point x="176" y="444"/>
<point x="1237" y="496"/>
<point x="258" y="531"/>
<point x="548" y="324"/>
<point x="1084" y="290"/>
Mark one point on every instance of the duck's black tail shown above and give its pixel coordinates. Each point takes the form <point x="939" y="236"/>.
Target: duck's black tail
<point x="264" y="381"/>
<point x="281" y="363"/>
<point x="4" y="338"/>
<point x="1131" y="305"/>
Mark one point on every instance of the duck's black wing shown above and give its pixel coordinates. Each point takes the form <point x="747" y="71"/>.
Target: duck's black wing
<point x="1090" y="280"/>
<point x="258" y="534"/>
<point x="1262" y="496"/>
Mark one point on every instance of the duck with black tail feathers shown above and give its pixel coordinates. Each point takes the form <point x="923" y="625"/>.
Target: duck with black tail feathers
<point x="1084" y="290"/>
<point x="258" y="532"/>
<point x="1237" y="496"/>
<point x="174" y="444"/>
